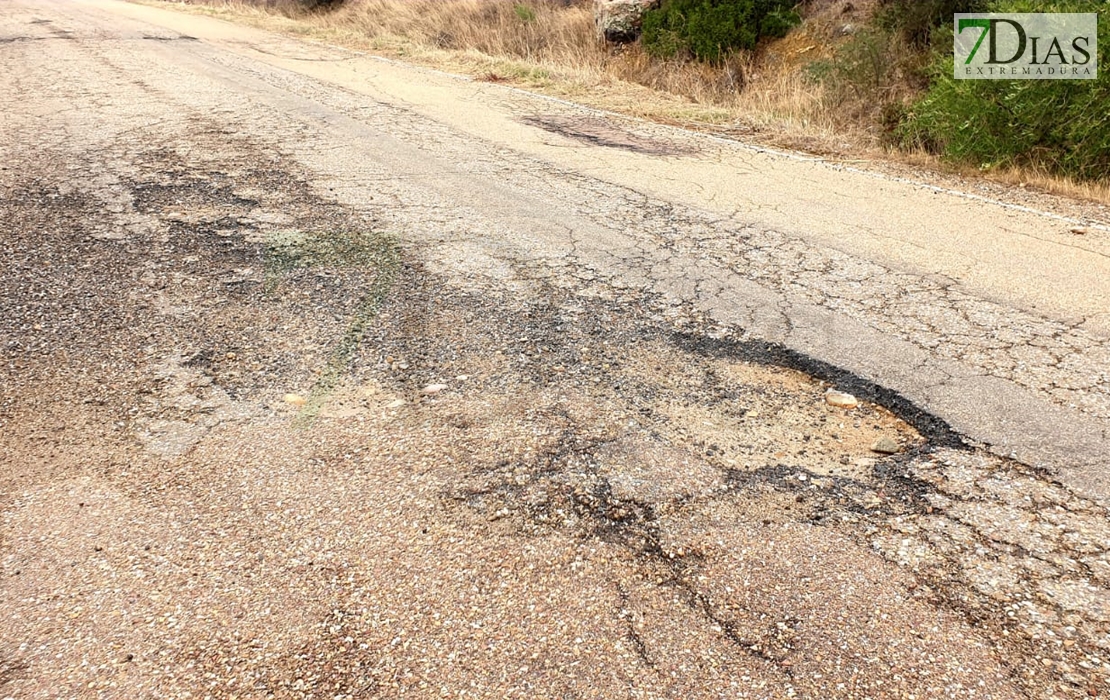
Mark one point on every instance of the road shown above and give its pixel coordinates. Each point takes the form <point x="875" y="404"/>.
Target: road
<point x="329" y="376"/>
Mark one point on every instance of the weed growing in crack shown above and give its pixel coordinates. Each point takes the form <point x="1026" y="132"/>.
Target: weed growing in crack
<point x="374" y="255"/>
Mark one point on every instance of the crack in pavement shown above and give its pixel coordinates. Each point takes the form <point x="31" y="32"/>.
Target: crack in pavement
<point x="622" y="487"/>
<point x="1057" y="361"/>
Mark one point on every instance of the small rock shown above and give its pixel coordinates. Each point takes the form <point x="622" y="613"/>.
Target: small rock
<point x="396" y="403"/>
<point x="620" y="21"/>
<point x="886" y="446"/>
<point x="433" y="389"/>
<point x="462" y="377"/>
<point x="1079" y="230"/>
<point x="295" y="399"/>
<point x="840" y="399"/>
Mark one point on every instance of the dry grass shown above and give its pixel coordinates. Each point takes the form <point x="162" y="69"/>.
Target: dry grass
<point x="1025" y="178"/>
<point x="539" y="32"/>
<point x="550" y="46"/>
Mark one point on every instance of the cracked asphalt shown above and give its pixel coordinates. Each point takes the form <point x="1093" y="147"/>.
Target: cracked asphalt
<point x="329" y="377"/>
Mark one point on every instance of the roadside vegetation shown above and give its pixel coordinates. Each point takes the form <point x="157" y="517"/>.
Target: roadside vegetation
<point x="1057" y="126"/>
<point x="709" y="30"/>
<point x="844" y="78"/>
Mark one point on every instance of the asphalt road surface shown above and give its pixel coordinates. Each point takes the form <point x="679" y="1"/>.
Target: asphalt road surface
<point x="326" y="376"/>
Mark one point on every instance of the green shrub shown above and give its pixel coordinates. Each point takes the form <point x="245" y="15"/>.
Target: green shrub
<point x="868" y="76"/>
<point x="294" y="8"/>
<point x="709" y="29"/>
<point x="319" y="4"/>
<point x="915" y="20"/>
<point x="860" y="66"/>
<point x="1062" y="126"/>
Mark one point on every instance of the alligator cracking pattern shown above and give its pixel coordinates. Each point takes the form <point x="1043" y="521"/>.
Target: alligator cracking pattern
<point x="686" y="250"/>
<point x="1021" y="557"/>
<point x="1008" y="548"/>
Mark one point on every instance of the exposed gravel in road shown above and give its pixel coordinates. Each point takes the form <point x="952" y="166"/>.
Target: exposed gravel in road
<point x="696" y="255"/>
<point x="609" y="494"/>
<point x="1043" y="376"/>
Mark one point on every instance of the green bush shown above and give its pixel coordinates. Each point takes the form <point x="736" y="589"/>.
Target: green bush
<point x="319" y="4"/>
<point x="916" y="20"/>
<point x="1062" y="126"/>
<point x="860" y="67"/>
<point x="294" y="8"/>
<point x="868" y="76"/>
<point x="709" y="29"/>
